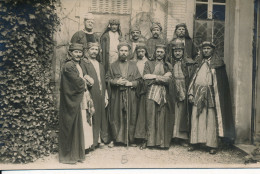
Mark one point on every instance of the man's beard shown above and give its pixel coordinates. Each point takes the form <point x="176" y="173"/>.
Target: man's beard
<point x="93" y="56"/>
<point x="140" y="57"/>
<point x="122" y="58"/>
<point x="135" y="37"/>
<point x="159" y="57"/>
<point x="178" y="57"/>
<point x="181" y="35"/>
<point x="155" y="35"/>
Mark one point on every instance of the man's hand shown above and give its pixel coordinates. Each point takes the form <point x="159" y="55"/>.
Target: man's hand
<point x="129" y="84"/>
<point x="190" y="98"/>
<point x="168" y="74"/>
<point x="106" y="102"/>
<point x="106" y="99"/>
<point x="149" y="76"/>
<point x="121" y="81"/>
<point x="90" y="80"/>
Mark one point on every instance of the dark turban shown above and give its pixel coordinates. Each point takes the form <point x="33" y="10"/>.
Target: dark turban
<point x="135" y="28"/>
<point x="156" y="25"/>
<point x="207" y="43"/>
<point x="177" y="46"/>
<point x="114" y="21"/>
<point x="75" y="46"/>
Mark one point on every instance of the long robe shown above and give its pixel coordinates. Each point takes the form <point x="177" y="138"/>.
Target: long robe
<point x="105" y="46"/>
<point x="160" y="117"/>
<point x="218" y="103"/>
<point x="100" y="120"/>
<point x="151" y="43"/>
<point x="141" y="123"/>
<point x="123" y="101"/>
<point x="182" y="106"/>
<point x="71" y="135"/>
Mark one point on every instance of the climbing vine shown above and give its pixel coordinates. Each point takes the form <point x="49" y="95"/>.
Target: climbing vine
<point x="28" y="120"/>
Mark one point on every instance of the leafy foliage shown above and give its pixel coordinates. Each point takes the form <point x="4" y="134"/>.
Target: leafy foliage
<point x="27" y="113"/>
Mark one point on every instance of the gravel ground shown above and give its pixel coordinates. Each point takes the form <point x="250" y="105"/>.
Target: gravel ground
<point x="121" y="157"/>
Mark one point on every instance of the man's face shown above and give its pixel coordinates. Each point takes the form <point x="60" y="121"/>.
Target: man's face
<point x="123" y="53"/>
<point x="140" y="53"/>
<point x="156" y="32"/>
<point x="207" y="51"/>
<point x="114" y="27"/>
<point x="159" y="53"/>
<point x="77" y="54"/>
<point x="135" y="34"/>
<point x="93" y="52"/>
<point x="180" y="32"/>
<point x="89" y="24"/>
<point x="178" y="53"/>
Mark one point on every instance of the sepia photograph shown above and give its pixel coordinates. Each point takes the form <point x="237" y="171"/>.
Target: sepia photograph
<point x="129" y="84"/>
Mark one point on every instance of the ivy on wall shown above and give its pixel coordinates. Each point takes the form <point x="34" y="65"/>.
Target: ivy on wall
<point x="28" y="120"/>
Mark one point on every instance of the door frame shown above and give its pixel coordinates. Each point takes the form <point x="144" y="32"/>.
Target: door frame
<point x="255" y="117"/>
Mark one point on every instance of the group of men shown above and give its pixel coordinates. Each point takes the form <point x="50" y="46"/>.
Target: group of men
<point x="141" y="92"/>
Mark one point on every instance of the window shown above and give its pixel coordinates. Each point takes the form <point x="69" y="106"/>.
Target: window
<point x="111" y="6"/>
<point x="210" y="9"/>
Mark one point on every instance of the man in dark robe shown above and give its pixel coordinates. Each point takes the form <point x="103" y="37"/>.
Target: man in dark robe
<point x="109" y="41"/>
<point x="95" y="70"/>
<point x="156" y="38"/>
<point x="135" y="38"/>
<point x="122" y="79"/>
<point x="182" y="72"/>
<point x="142" y="58"/>
<point x="86" y="35"/>
<point x="209" y="93"/>
<point x="159" y="101"/>
<point x="72" y="124"/>
<point x="181" y="35"/>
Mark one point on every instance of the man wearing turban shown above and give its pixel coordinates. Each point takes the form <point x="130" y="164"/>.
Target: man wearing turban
<point x="156" y="39"/>
<point x="86" y="35"/>
<point x="109" y="41"/>
<point x="76" y="106"/>
<point x="159" y="101"/>
<point x="182" y="72"/>
<point x="210" y="96"/>
<point x="181" y="35"/>
<point x="135" y="38"/>
<point x="122" y="79"/>
<point x="95" y="70"/>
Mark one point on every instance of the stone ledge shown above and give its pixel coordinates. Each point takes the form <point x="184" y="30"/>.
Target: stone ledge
<point x="246" y="149"/>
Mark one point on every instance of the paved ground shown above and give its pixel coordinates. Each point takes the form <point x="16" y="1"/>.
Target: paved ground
<point x="121" y="157"/>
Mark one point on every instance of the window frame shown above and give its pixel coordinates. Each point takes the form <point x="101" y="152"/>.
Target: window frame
<point x="210" y="4"/>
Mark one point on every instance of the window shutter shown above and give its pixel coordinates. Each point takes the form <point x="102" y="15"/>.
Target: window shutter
<point x="111" y="6"/>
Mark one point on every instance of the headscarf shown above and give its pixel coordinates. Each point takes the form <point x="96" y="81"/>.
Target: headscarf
<point x="187" y="36"/>
<point x="111" y="22"/>
<point x="207" y="43"/>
